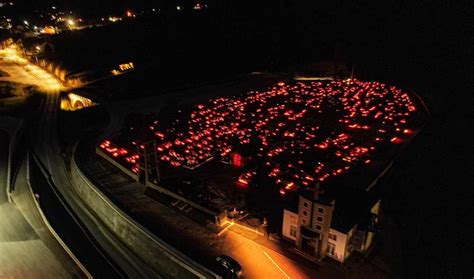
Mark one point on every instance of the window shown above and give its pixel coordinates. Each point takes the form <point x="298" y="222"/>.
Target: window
<point x="305" y="204"/>
<point x="320" y="219"/>
<point x="320" y="210"/>
<point x="305" y="213"/>
<point x="332" y="236"/>
<point x="303" y="221"/>
<point x="293" y="219"/>
<point x="331" y="248"/>
<point x="293" y="231"/>
<point x="318" y="227"/>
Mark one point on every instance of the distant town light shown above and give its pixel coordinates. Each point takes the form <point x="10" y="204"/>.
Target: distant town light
<point x="178" y="8"/>
<point x="48" y="30"/>
<point x="114" y="18"/>
<point x="25" y="22"/>
<point x="71" y="22"/>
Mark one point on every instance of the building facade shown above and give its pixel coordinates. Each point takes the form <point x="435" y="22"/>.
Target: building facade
<point x="317" y="231"/>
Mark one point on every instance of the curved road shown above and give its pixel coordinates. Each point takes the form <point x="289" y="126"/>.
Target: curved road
<point x="22" y="251"/>
<point x="93" y="245"/>
<point x="103" y="247"/>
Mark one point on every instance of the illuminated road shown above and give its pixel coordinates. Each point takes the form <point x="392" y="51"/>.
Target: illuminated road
<point x="81" y="229"/>
<point x="21" y="71"/>
<point x="25" y="252"/>
<point x="261" y="262"/>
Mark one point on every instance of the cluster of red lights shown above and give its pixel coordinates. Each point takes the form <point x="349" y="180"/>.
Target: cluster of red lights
<point x="303" y="132"/>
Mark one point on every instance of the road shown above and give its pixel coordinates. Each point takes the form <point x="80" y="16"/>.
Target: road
<point x="96" y="247"/>
<point x="23" y="253"/>
<point x="21" y="71"/>
<point x="259" y="261"/>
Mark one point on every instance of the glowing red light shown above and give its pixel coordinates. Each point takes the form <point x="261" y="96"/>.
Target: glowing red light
<point x="237" y="160"/>
<point x="285" y="122"/>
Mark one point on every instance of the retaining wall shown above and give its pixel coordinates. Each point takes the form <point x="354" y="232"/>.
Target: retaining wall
<point x="163" y="258"/>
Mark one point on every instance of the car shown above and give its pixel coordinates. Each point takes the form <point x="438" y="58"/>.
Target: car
<point x="232" y="268"/>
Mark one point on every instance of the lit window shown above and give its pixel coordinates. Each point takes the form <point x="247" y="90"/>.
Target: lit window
<point x="331" y="249"/>
<point x="293" y="231"/>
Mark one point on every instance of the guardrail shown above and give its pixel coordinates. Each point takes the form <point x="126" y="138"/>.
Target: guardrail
<point x="152" y="250"/>
<point x="12" y="136"/>
<point x="48" y="225"/>
<point x="99" y="152"/>
<point x="178" y="197"/>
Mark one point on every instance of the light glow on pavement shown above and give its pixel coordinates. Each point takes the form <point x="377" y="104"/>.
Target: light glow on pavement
<point x="257" y="259"/>
<point x="226" y="228"/>
<point x="232" y="223"/>
<point x="273" y="261"/>
<point x="35" y="74"/>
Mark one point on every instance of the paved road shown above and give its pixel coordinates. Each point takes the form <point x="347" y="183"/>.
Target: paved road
<point x="83" y="231"/>
<point x="23" y="254"/>
<point x="21" y="71"/>
<point x="259" y="261"/>
<point x="106" y="256"/>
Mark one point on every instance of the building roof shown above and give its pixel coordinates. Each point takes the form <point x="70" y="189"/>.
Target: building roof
<point x="320" y="198"/>
<point x="352" y="207"/>
<point x="291" y="202"/>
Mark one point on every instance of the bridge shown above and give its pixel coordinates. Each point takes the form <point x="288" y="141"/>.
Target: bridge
<point x="72" y="102"/>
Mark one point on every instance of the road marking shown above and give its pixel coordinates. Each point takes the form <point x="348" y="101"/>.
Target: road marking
<point x="279" y="268"/>
<point x="225" y="229"/>
<point x="254" y="230"/>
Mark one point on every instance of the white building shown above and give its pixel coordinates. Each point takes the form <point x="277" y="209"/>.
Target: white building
<point x="332" y="224"/>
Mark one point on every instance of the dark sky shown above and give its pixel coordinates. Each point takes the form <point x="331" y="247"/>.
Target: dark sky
<point x="85" y="6"/>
